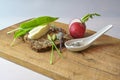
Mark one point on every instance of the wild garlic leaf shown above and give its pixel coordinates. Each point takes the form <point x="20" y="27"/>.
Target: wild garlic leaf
<point x="21" y="32"/>
<point x="25" y="27"/>
<point x="38" y="21"/>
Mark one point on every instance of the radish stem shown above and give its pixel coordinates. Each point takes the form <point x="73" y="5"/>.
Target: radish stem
<point x="87" y="16"/>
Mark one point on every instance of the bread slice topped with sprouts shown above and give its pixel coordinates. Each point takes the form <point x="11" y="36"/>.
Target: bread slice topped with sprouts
<point x="43" y="43"/>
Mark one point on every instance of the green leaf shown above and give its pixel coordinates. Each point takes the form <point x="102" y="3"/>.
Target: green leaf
<point x="53" y="37"/>
<point x="38" y="21"/>
<point x="21" y="32"/>
<point x="96" y="14"/>
<point x="29" y="25"/>
<point x="49" y="38"/>
<point x="86" y="17"/>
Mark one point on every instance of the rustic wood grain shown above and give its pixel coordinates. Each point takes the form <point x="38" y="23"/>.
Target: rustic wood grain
<point x="101" y="61"/>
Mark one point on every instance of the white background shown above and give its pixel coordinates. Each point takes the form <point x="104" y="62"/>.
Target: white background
<point x="14" y="11"/>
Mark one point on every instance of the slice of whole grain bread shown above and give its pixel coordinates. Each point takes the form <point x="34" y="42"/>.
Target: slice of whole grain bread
<point x="43" y="44"/>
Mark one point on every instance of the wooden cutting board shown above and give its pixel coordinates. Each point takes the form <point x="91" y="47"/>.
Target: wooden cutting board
<point x="101" y="61"/>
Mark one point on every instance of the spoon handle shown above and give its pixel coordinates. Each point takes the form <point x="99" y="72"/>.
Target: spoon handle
<point x="99" y="33"/>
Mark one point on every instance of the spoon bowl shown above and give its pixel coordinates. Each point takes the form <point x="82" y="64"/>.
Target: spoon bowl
<point x="83" y="43"/>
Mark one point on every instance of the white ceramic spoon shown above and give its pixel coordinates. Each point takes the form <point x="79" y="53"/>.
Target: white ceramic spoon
<point x="83" y="43"/>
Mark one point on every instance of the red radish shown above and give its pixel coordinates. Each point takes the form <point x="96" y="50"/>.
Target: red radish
<point x="77" y="27"/>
